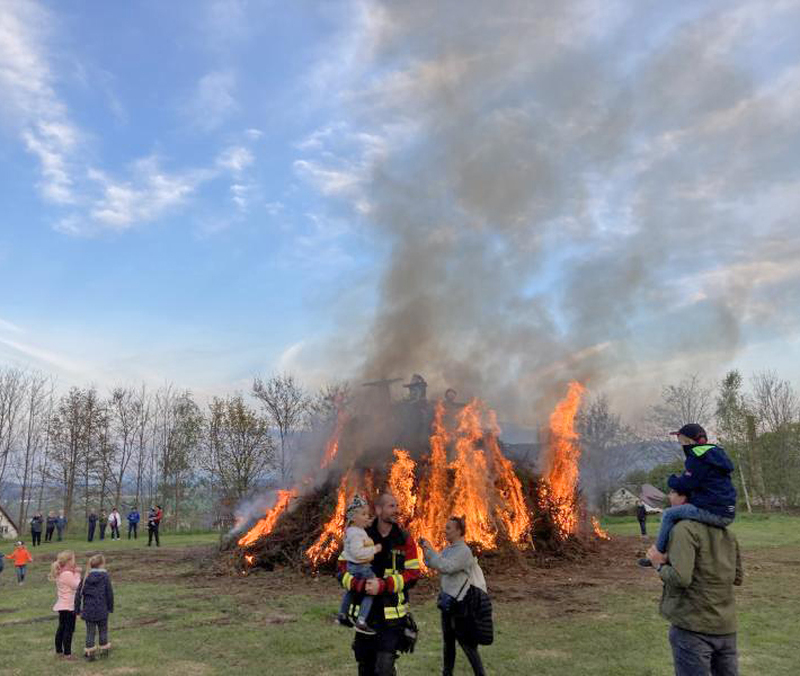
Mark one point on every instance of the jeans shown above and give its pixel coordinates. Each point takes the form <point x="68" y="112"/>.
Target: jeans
<point x="452" y="630"/>
<point x="101" y="628"/>
<point x="36" y="537"/>
<point x="360" y="571"/>
<point x="91" y="532"/>
<point x="696" y="654"/>
<point x="132" y="528"/>
<point x="643" y="526"/>
<point x="60" y="532"/>
<point x="672" y="515"/>
<point x="66" y="627"/>
<point x="102" y="531"/>
<point x="48" y="534"/>
<point x="21" y="573"/>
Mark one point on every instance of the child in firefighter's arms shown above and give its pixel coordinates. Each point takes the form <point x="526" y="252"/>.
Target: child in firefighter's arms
<point x="707" y="481"/>
<point x="359" y="550"/>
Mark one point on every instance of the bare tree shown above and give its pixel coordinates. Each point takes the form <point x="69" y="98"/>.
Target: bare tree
<point x="38" y="392"/>
<point x="286" y="403"/>
<point x="239" y="448"/>
<point x="124" y="413"/>
<point x="775" y="401"/>
<point x="687" y="402"/>
<point x="143" y="436"/>
<point x="13" y="387"/>
<point x="67" y="433"/>
<point x="732" y="416"/>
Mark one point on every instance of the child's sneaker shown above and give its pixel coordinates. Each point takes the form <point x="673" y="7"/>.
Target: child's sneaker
<point x="363" y="628"/>
<point x="343" y="620"/>
<point x="645" y="563"/>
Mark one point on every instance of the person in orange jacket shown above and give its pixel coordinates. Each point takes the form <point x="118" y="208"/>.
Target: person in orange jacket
<point x="21" y="558"/>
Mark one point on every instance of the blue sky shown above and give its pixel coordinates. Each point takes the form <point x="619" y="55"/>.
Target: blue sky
<point x="199" y="192"/>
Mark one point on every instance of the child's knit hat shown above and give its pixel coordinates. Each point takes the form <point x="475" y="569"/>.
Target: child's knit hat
<point x="356" y="503"/>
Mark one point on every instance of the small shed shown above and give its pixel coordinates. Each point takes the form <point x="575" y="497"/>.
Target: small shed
<point x="625" y="498"/>
<point x="8" y="529"/>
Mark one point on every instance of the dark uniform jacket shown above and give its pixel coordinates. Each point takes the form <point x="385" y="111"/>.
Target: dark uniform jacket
<point x="36" y="524"/>
<point x="397" y="568"/>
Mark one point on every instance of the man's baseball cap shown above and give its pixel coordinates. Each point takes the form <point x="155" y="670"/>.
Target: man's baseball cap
<point x="692" y="430"/>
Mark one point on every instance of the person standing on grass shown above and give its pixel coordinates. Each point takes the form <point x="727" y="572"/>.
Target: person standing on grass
<point x="67" y="577"/>
<point x="133" y="522"/>
<point x="103" y="523"/>
<point x="21" y="558"/>
<point x="36" y="529"/>
<point x="114" y="520"/>
<point x="458" y="570"/>
<point x="92" y="520"/>
<point x="51" y="526"/>
<point x="94" y="600"/>
<point x="699" y="571"/>
<point x="153" y="523"/>
<point x="61" y="524"/>
<point x="641" y="517"/>
<point x="396" y="569"/>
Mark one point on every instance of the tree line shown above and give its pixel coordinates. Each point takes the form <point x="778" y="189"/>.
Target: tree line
<point x="83" y="450"/>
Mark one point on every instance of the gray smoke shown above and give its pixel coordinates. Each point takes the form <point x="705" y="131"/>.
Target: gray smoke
<point x="591" y="190"/>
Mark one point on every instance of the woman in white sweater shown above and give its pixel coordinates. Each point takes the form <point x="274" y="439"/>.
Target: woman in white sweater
<point x="458" y="569"/>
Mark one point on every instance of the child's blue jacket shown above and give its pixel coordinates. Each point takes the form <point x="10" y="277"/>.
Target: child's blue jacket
<point x="707" y="479"/>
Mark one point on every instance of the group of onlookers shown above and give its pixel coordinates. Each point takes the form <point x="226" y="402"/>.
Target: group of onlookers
<point x="54" y="524"/>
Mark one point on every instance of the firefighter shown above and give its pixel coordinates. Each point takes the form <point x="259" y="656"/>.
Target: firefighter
<point x="396" y="569"/>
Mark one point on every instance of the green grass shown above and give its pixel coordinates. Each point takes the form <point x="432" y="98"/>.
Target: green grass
<point x="175" y="615"/>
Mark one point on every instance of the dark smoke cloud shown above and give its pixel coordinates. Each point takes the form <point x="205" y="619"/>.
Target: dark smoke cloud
<point x="582" y="190"/>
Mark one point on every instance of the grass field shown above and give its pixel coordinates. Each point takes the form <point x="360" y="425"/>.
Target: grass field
<point x="176" y="615"/>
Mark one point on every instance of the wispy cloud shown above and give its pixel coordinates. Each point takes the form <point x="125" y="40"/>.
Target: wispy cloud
<point x="43" y="356"/>
<point x="214" y="101"/>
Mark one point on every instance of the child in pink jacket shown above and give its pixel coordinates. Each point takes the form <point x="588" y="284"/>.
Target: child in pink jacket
<point x="67" y="577"/>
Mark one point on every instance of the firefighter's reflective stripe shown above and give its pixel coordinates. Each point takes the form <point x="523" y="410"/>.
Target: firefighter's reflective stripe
<point x="412" y="564"/>
<point x="395" y="612"/>
<point x="346" y="580"/>
<point x="399" y="583"/>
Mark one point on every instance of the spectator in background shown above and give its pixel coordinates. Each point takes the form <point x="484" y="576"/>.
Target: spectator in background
<point x="153" y="523"/>
<point x="61" y="524"/>
<point x="92" y="521"/>
<point x="114" y="520"/>
<point x="51" y="526"/>
<point x="102" y="522"/>
<point x="641" y="517"/>
<point x="133" y="522"/>
<point x="21" y="558"/>
<point x="36" y="529"/>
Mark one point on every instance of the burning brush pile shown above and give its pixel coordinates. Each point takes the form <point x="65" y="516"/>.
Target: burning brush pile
<point x="459" y="469"/>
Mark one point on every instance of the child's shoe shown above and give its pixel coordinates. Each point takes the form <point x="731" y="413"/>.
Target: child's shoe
<point x="645" y="563"/>
<point x="343" y="620"/>
<point x="363" y="628"/>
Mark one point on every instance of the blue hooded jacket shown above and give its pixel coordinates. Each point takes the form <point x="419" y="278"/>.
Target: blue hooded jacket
<point x="707" y="479"/>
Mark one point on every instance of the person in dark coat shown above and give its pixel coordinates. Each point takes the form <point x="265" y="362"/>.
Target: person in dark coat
<point x="103" y="522"/>
<point x="92" y="520"/>
<point x="153" y="524"/>
<point x="36" y="530"/>
<point x="641" y="517"/>
<point x="51" y="526"/>
<point x="133" y="523"/>
<point x="61" y="524"/>
<point x="94" y="600"/>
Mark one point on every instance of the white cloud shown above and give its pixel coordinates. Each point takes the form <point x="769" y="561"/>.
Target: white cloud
<point x="235" y="159"/>
<point x="213" y="101"/>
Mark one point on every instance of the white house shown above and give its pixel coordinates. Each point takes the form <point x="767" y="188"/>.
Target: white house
<point x="8" y="529"/>
<point x="625" y="498"/>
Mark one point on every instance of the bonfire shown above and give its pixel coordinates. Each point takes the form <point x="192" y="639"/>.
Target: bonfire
<point x="462" y="470"/>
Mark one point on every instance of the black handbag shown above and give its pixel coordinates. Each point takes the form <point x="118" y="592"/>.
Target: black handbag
<point x="450" y="604"/>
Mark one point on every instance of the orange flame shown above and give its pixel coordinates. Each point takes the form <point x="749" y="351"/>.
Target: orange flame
<point x="598" y="530"/>
<point x="265" y="525"/>
<point x="511" y="509"/>
<point x="563" y="454"/>
<point x="470" y="487"/>
<point x="328" y="541"/>
<point x="401" y="483"/>
<point x="332" y="445"/>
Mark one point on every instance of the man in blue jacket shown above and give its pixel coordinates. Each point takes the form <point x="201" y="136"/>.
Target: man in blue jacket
<point x="133" y="523"/>
<point x="706" y="481"/>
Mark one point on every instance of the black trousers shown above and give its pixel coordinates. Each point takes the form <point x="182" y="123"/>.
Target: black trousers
<point x="48" y="534"/>
<point x="103" y="531"/>
<point x="132" y="528"/>
<point x="152" y="532"/>
<point x="452" y="631"/>
<point x="91" y="532"/>
<point x="115" y="531"/>
<point x="66" y="628"/>
<point x="376" y="655"/>
<point x="101" y="628"/>
<point x="36" y="538"/>
<point x="643" y="526"/>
